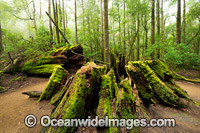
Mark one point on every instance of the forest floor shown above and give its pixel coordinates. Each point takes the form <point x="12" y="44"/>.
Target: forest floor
<point x="14" y="107"/>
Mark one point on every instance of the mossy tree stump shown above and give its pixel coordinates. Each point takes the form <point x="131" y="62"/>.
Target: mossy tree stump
<point x="155" y="83"/>
<point x="93" y="91"/>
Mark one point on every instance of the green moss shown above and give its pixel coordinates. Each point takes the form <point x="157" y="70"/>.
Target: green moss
<point x="44" y="70"/>
<point x="163" y="72"/>
<point x="56" y="80"/>
<point x="17" y="79"/>
<point x="1" y="73"/>
<point x="74" y="106"/>
<point x="159" y="89"/>
<point x="127" y="107"/>
<point x="2" y="88"/>
<point x="108" y="92"/>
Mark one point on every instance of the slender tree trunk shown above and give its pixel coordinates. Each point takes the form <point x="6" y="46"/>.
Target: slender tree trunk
<point x="138" y="37"/>
<point x="55" y="11"/>
<point x="40" y="9"/>
<point x="63" y="16"/>
<point x="184" y="20"/>
<point x="60" y="13"/>
<point x="83" y="21"/>
<point x="76" y="30"/>
<point x="106" y="30"/>
<point x="162" y="26"/>
<point x="124" y="28"/>
<point x="119" y="26"/>
<point x="158" y="26"/>
<point x="102" y="34"/>
<point x="146" y="31"/>
<point x="178" y="23"/>
<point x="50" y="23"/>
<point x="66" y="19"/>
<point x="152" y="26"/>
<point x="113" y="31"/>
<point x="34" y="16"/>
<point x="1" y="41"/>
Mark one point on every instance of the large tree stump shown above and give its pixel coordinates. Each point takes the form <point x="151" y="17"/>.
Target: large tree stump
<point x="152" y="88"/>
<point x="93" y="92"/>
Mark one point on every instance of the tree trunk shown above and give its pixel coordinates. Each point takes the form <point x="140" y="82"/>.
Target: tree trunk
<point x="162" y="27"/>
<point x="83" y="22"/>
<point x="40" y="9"/>
<point x="55" y="11"/>
<point x="34" y="16"/>
<point x="106" y="30"/>
<point x="63" y="16"/>
<point x="102" y="34"/>
<point x="76" y="30"/>
<point x="178" y="23"/>
<point x="1" y="41"/>
<point x="50" y="23"/>
<point x="152" y="26"/>
<point x="138" y="37"/>
<point x="158" y="26"/>
<point x="119" y="21"/>
<point x="146" y="32"/>
<point x="66" y="19"/>
<point x="184" y="20"/>
<point x="124" y="28"/>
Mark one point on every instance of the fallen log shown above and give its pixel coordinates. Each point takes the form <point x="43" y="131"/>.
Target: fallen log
<point x="33" y="94"/>
<point x="44" y="64"/>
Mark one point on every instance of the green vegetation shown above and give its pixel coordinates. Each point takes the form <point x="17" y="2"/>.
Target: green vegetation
<point x="56" y="81"/>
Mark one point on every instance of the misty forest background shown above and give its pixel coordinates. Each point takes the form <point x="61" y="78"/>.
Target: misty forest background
<point x="140" y="29"/>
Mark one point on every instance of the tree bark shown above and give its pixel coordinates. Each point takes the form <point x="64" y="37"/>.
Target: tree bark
<point x="55" y="11"/>
<point x="152" y="26"/>
<point x="102" y="34"/>
<point x="40" y="9"/>
<point x="138" y="37"/>
<point x="158" y="26"/>
<point x="83" y="21"/>
<point x="162" y="26"/>
<point x="34" y="16"/>
<point x="184" y="20"/>
<point x="178" y="23"/>
<point x="146" y="31"/>
<point x="106" y="30"/>
<point x="63" y="16"/>
<point x="50" y="23"/>
<point x="119" y="20"/>
<point x="76" y="30"/>
<point x="124" y="28"/>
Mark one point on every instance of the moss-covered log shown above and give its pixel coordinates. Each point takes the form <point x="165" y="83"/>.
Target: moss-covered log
<point x="2" y="89"/>
<point x="56" y="81"/>
<point x="44" y="64"/>
<point x="151" y="87"/>
<point x="33" y="94"/>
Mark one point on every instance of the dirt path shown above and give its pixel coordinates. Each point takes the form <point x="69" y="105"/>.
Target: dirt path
<point x="14" y="107"/>
<point x="192" y="89"/>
